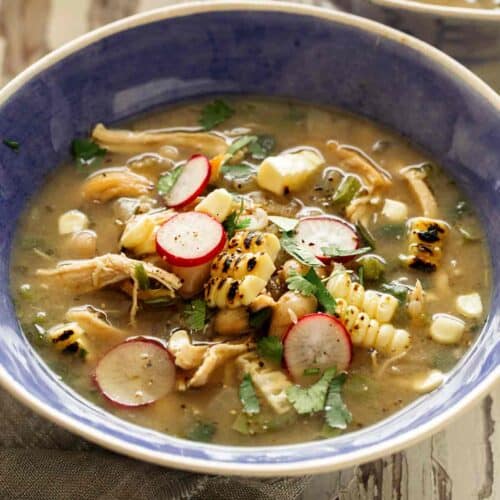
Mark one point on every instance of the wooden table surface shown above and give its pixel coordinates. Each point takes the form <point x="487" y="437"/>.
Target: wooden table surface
<point x="460" y="462"/>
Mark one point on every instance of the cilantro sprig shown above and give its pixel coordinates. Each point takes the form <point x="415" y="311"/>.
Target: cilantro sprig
<point x="167" y="181"/>
<point x="337" y="415"/>
<point x="291" y="246"/>
<point x="87" y="152"/>
<point x="234" y="222"/>
<point x="248" y="396"/>
<point x="311" y="284"/>
<point x="270" y="348"/>
<point x="195" y="313"/>
<point x="215" y="113"/>
<point x="332" y="251"/>
<point x="202" y="431"/>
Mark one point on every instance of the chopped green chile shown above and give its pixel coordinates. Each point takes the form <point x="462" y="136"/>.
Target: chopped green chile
<point x="210" y="349"/>
<point x="347" y="190"/>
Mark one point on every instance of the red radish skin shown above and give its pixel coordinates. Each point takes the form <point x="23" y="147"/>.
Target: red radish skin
<point x="135" y="373"/>
<point x="190" y="239"/>
<point x="317" y="340"/>
<point x="191" y="183"/>
<point x="319" y="231"/>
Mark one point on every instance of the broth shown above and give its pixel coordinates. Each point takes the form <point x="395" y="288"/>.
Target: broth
<point x="377" y="384"/>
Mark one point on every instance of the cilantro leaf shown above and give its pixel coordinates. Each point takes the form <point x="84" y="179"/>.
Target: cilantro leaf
<point x="248" y="397"/>
<point x="395" y="289"/>
<point x="337" y="415"/>
<point x="167" y="181"/>
<point x="258" y="319"/>
<point x="141" y="276"/>
<point x="240" y="143"/>
<point x="237" y="171"/>
<point x="311" y="399"/>
<point x="270" y="348"/>
<point x="322" y="294"/>
<point x="10" y="143"/>
<point x="298" y="283"/>
<point x="284" y="223"/>
<point x="202" y="431"/>
<point x="234" y="222"/>
<point x="86" y="152"/>
<point x="332" y="251"/>
<point x="262" y="146"/>
<point x="215" y="113"/>
<point x="290" y="245"/>
<point x="366" y="236"/>
<point x="195" y="313"/>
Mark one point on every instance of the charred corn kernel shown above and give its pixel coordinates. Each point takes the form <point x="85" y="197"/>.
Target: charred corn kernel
<point x="369" y="333"/>
<point x="255" y="242"/>
<point x="470" y="305"/>
<point x="395" y="211"/>
<point x="288" y="172"/>
<point x="72" y="221"/>
<point x="68" y="338"/>
<point x="426" y="239"/>
<point x="446" y="329"/>
<point x="239" y="265"/>
<point x="218" y="204"/>
<point x="228" y="292"/>
<point x="379" y="306"/>
<point x="270" y="383"/>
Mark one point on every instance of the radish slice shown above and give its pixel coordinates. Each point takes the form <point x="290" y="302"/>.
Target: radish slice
<point x="316" y="342"/>
<point x="191" y="183"/>
<point x="314" y="233"/>
<point x="190" y="239"/>
<point x="136" y="372"/>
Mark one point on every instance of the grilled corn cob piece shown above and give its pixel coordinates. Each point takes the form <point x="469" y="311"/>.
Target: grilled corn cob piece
<point x="238" y="265"/>
<point x="270" y="383"/>
<point x="238" y="275"/>
<point x="369" y="333"/>
<point x="380" y="306"/>
<point x="255" y="242"/>
<point x="68" y="338"/>
<point x="228" y="292"/>
<point x="426" y="240"/>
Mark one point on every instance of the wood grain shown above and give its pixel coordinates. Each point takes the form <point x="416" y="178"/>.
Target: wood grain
<point x="461" y="462"/>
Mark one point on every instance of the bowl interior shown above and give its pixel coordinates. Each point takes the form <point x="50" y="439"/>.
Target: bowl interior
<point x="307" y="54"/>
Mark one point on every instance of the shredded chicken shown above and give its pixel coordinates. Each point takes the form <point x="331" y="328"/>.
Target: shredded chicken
<point x="353" y="161"/>
<point x="94" y="322"/>
<point x="166" y="143"/>
<point x="82" y="276"/>
<point x="187" y="356"/>
<point x="115" y="182"/>
<point x="416" y="180"/>
<point x="216" y="356"/>
<point x="361" y="209"/>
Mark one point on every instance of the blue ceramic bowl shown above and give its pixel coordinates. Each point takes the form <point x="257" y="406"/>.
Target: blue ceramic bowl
<point x="278" y="49"/>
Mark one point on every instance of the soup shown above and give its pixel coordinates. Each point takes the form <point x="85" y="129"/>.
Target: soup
<point x="251" y="272"/>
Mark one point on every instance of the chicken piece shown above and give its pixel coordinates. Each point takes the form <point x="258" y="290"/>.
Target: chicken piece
<point x="416" y="180"/>
<point x="353" y="161"/>
<point x="82" y="276"/>
<point x="95" y="323"/>
<point x="216" y="356"/>
<point x="269" y="382"/>
<point x="166" y="143"/>
<point x="187" y="356"/>
<point x="290" y="307"/>
<point x="115" y="182"/>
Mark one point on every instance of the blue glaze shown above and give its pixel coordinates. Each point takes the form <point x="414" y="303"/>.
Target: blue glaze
<point x="268" y="53"/>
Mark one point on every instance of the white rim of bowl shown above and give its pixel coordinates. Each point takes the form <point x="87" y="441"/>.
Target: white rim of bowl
<point x="250" y="469"/>
<point x="444" y="11"/>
